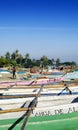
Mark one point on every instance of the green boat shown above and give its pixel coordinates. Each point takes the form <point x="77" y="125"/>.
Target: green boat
<point x="48" y="112"/>
<point x="39" y="113"/>
<point x="56" y="122"/>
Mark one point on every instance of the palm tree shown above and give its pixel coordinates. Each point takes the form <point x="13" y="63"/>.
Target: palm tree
<point x="53" y="61"/>
<point x="7" y="55"/>
<point x="27" y="56"/>
<point x="58" y="61"/>
<point x="19" y="59"/>
<point x="44" y="60"/>
<point x="15" y="55"/>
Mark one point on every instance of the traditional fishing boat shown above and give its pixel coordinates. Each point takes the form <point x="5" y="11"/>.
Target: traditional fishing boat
<point x="49" y="89"/>
<point x="39" y="113"/>
<point x="32" y="82"/>
<point x="46" y="91"/>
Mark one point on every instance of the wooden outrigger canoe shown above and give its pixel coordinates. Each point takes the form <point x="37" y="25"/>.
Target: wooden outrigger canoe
<point x="32" y="90"/>
<point x="39" y="113"/>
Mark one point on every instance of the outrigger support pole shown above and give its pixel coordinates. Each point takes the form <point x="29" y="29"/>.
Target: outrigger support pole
<point x="66" y="88"/>
<point x="31" y="105"/>
<point x="28" y="112"/>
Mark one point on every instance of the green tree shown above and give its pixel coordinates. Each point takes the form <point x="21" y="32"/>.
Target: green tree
<point x="53" y="61"/>
<point x="15" y="55"/>
<point x="44" y="60"/>
<point x="19" y="59"/>
<point x="58" y="62"/>
<point x="7" y="55"/>
<point x="27" y="56"/>
<point x="26" y="60"/>
<point x="3" y="62"/>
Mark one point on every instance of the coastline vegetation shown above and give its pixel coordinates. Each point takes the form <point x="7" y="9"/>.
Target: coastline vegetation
<point x="19" y="60"/>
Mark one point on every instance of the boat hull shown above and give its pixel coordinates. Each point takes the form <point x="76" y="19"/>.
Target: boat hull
<point x="57" y="113"/>
<point x="55" y="122"/>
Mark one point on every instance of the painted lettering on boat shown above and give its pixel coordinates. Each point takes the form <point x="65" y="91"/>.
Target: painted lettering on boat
<point x="55" y="112"/>
<point x="73" y="109"/>
<point x="60" y="111"/>
<point x="44" y="113"/>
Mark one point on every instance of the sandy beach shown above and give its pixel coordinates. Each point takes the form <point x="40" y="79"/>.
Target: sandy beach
<point x="9" y="77"/>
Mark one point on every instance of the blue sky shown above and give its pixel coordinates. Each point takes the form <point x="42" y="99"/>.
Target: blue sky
<point x="40" y="27"/>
